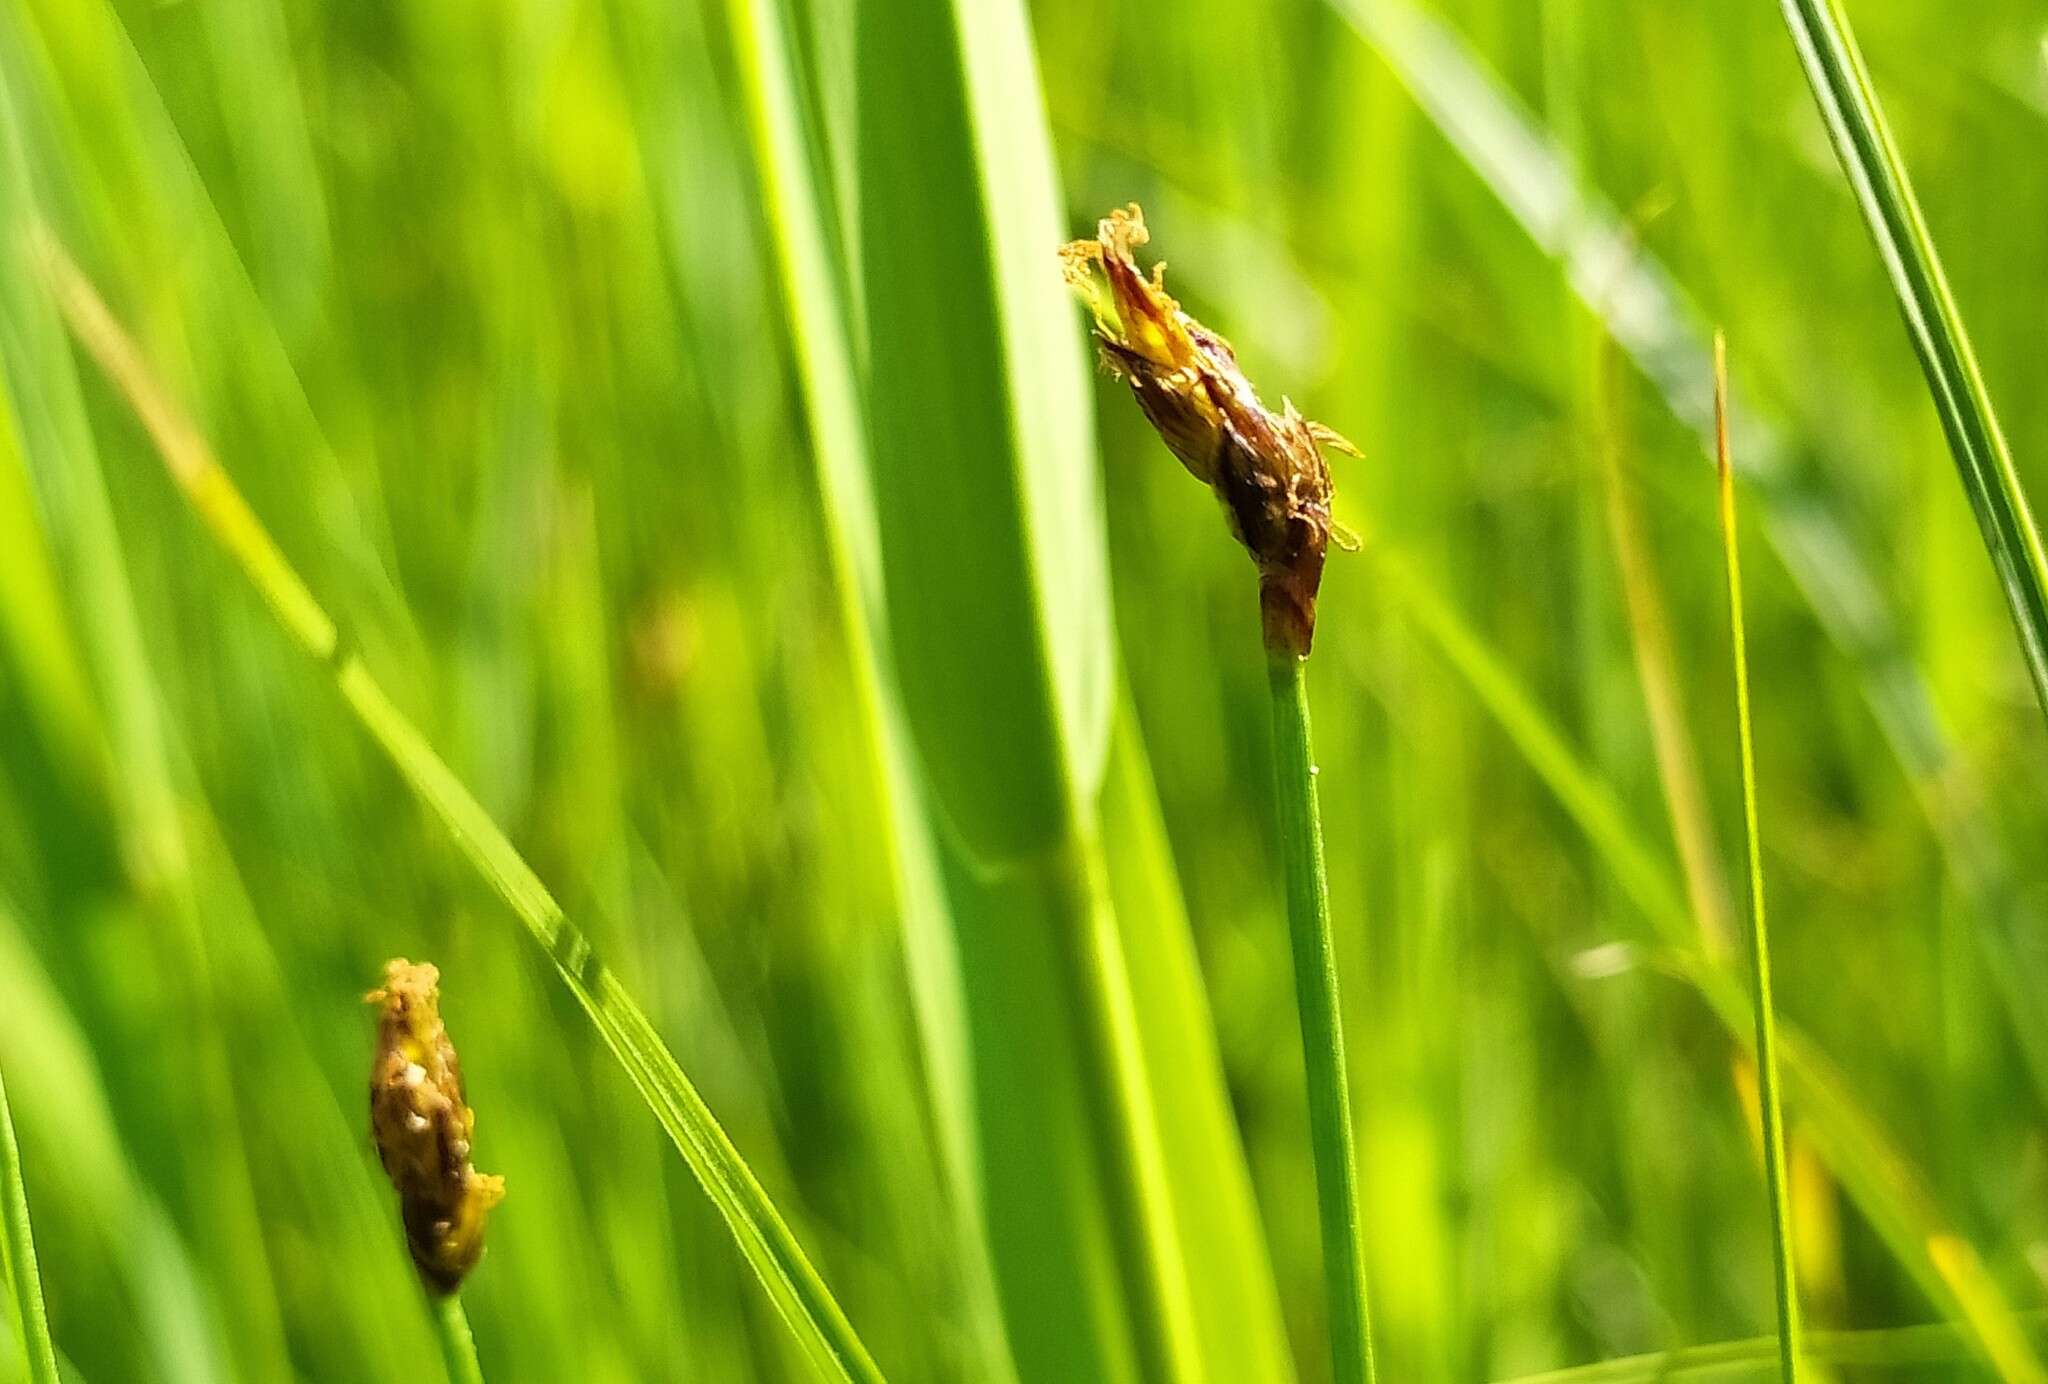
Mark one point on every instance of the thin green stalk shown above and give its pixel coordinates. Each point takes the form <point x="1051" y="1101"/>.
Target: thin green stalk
<point x="19" y="1249"/>
<point x="1322" y="1024"/>
<point x="1759" y="930"/>
<point x="764" y="1238"/>
<point x="458" y="1346"/>
<point x="1877" y="175"/>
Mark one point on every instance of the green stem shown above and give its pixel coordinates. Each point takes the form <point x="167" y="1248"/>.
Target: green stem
<point x="458" y="1346"/>
<point x="1322" y="1026"/>
<point x="1773" y="1117"/>
<point x="20" y="1256"/>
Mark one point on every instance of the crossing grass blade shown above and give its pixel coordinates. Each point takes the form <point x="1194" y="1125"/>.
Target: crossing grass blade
<point x="1888" y="1349"/>
<point x="18" y="1256"/>
<point x="1770" y="1108"/>
<point x="764" y="1238"/>
<point x="1870" y="160"/>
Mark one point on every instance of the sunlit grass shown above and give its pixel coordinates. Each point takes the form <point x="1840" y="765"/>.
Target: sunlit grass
<point x="676" y="449"/>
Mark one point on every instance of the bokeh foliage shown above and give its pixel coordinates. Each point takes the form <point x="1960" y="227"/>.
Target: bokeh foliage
<point x="485" y="309"/>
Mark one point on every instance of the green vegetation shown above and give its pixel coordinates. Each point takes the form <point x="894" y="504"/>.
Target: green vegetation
<point x="18" y="1259"/>
<point x="638" y="463"/>
<point x="1770" y="1108"/>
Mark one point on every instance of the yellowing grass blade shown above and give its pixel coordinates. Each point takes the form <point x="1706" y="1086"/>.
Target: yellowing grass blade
<point x="764" y="1238"/>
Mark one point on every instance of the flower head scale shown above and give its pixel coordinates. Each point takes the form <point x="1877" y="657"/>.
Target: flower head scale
<point x="1267" y="468"/>
<point x="423" y="1127"/>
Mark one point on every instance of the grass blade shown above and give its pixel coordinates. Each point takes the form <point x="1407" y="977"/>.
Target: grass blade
<point x="986" y="491"/>
<point x="980" y="472"/>
<point x="1773" y="1115"/>
<point x="1882" y="1348"/>
<point x="764" y="1238"/>
<point x="1236" y="1299"/>
<point x="18" y="1243"/>
<point x="1870" y="160"/>
<point x="1322" y="1029"/>
<point x="992" y="1004"/>
<point x="1886" y="1187"/>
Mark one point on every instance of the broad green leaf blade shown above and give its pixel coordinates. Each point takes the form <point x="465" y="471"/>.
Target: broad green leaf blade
<point x="764" y="1238"/>
<point x="995" y="574"/>
<point x="796" y="207"/>
<point x="18" y="1256"/>
<point x="997" y="1004"/>
<point x="1230" y="1275"/>
<point x="985" y="485"/>
<point x="1870" y="160"/>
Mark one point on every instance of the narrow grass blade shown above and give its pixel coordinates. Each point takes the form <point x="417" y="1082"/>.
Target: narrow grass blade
<point x="1322" y="1026"/>
<point x="1773" y="1116"/>
<point x="1870" y="160"/>
<point x="458" y="1344"/>
<point x="1896" y="1348"/>
<point x="18" y="1243"/>
<point x="764" y="1238"/>
<point x="1883" y="1183"/>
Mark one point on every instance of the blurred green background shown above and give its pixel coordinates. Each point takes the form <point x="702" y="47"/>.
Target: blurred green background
<point x="479" y="304"/>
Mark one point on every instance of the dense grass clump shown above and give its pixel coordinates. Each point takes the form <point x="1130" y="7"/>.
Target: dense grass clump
<point x="613" y="497"/>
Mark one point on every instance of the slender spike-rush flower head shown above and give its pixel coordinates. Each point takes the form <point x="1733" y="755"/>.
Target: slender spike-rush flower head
<point x="1267" y="468"/>
<point x="423" y="1127"/>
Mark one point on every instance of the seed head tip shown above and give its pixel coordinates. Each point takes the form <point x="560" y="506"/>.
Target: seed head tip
<point x="1266" y="468"/>
<point x="423" y="1128"/>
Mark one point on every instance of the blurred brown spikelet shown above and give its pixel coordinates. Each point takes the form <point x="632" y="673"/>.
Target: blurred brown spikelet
<point x="423" y="1127"/>
<point x="1267" y="468"/>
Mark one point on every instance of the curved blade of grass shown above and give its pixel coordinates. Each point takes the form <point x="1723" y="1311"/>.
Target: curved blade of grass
<point x="1773" y="1115"/>
<point x="1870" y="160"/>
<point x="18" y="1256"/>
<point x="1884" y="1185"/>
<point x="764" y="1238"/>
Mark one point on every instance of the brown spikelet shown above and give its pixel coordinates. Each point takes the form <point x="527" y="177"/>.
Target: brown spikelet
<point x="423" y="1126"/>
<point x="1265" y="467"/>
